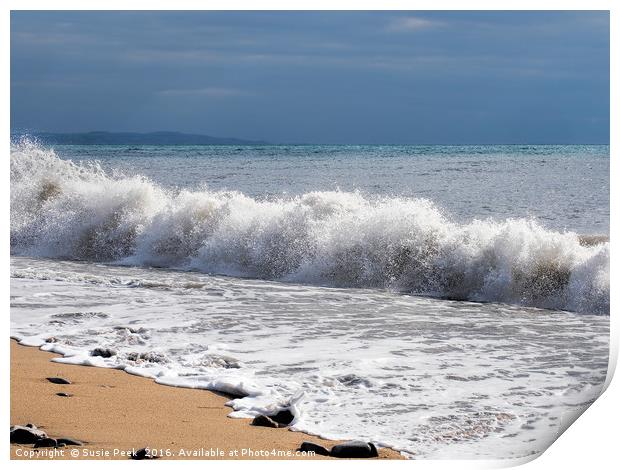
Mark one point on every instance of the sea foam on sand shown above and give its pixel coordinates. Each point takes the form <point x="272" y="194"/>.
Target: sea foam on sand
<point x="431" y="377"/>
<point x="370" y="317"/>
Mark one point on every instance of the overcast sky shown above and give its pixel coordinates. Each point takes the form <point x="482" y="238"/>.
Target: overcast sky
<point x="320" y="77"/>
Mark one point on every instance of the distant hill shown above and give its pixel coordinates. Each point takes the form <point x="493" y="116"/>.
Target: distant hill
<point x="135" y="138"/>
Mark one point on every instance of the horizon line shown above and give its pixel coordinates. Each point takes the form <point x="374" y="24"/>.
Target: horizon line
<point x="267" y="142"/>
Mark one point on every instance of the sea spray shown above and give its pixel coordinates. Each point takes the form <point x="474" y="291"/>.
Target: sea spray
<point x="61" y="209"/>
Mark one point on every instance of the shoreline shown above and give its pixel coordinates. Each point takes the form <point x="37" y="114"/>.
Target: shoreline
<point x="113" y="412"/>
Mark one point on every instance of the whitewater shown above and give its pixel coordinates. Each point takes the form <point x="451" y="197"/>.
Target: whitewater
<point x="371" y="310"/>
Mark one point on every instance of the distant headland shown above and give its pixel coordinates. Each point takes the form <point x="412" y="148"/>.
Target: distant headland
<point x="135" y="138"/>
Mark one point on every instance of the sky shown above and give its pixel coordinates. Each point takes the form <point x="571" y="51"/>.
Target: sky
<point x="414" y="77"/>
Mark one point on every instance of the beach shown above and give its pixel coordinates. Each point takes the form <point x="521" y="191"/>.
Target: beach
<point x="112" y="411"/>
<point x="237" y="235"/>
<point x="388" y="312"/>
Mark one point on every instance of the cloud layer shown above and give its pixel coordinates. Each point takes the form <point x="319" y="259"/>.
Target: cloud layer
<point x="371" y="77"/>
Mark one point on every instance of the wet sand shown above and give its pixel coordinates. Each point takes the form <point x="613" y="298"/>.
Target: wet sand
<point x="113" y="412"/>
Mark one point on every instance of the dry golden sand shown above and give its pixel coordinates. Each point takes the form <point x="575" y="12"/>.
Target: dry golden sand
<point x="110" y="409"/>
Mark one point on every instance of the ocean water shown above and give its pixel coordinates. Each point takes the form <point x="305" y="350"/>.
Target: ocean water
<point x="448" y="302"/>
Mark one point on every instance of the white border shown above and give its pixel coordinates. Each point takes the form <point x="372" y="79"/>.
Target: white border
<point x="590" y="442"/>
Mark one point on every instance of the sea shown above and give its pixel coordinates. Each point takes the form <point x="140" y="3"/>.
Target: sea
<point x="449" y="302"/>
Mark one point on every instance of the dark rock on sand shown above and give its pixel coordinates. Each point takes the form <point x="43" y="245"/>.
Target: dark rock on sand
<point x="307" y="446"/>
<point x="47" y="442"/>
<point x="63" y="394"/>
<point x="103" y="352"/>
<point x="266" y="421"/>
<point x="354" y="450"/>
<point x="58" y="380"/>
<point x="69" y="442"/>
<point x="283" y="417"/>
<point x="28" y="434"/>
<point x="142" y="454"/>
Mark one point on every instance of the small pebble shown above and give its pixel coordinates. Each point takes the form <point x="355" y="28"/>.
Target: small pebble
<point x="58" y="380"/>
<point x="266" y="421"/>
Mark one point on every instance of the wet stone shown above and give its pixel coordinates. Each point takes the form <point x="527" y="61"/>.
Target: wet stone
<point x="283" y="417"/>
<point x="266" y="421"/>
<point x="103" y="352"/>
<point x="28" y="434"/>
<point x="47" y="442"/>
<point x="354" y="450"/>
<point x="307" y="446"/>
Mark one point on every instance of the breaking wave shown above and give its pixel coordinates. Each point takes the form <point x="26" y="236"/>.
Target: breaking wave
<point x="61" y="209"/>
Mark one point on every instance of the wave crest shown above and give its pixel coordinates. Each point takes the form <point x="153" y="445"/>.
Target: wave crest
<point x="61" y="209"/>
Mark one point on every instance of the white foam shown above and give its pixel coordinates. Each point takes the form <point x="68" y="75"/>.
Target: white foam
<point x="430" y="377"/>
<point x="60" y="209"/>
